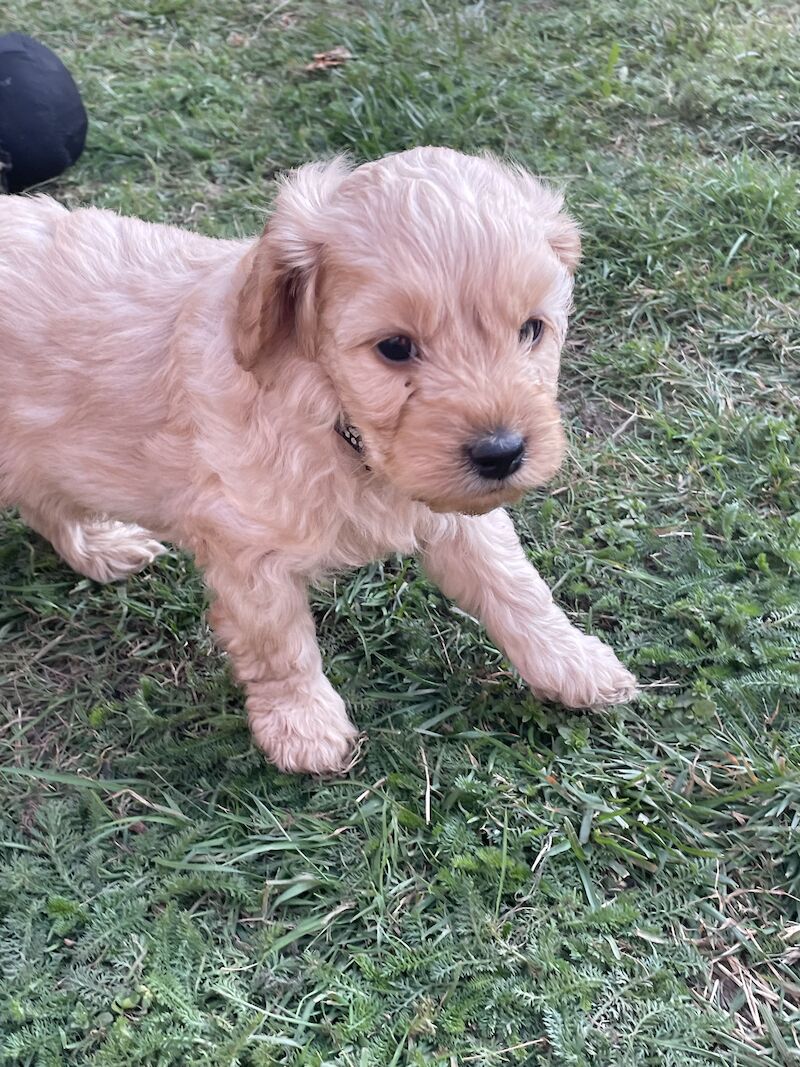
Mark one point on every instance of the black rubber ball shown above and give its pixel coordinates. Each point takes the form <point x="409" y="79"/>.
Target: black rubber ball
<point x="42" y="118"/>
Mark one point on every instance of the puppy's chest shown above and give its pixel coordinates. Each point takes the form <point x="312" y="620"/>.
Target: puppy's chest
<point x="325" y="512"/>
<point x="369" y="525"/>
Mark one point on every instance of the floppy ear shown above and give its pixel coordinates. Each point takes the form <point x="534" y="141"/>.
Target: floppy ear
<point x="276" y="301"/>
<point x="560" y="230"/>
<point x="565" y="240"/>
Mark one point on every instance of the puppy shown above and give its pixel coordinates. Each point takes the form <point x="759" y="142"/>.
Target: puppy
<point x="376" y="373"/>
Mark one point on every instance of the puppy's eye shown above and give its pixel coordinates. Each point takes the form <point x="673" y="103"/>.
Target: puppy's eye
<point x="397" y="349"/>
<point x="531" y="331"/>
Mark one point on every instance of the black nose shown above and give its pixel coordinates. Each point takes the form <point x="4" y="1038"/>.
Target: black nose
<point x="498" y="454"/>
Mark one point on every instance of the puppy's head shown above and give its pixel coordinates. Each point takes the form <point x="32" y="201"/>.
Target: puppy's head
<point x="434" y="289"/>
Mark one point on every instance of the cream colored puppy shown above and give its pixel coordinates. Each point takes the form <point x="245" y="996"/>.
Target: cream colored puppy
<point x="376" y="373"/>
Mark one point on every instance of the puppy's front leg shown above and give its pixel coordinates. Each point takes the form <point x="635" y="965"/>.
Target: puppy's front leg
<point x="265" y="623"/>
<point x="479" y="563"/>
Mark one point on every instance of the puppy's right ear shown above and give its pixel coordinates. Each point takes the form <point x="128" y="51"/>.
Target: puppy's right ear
<point x="276" y="302"/>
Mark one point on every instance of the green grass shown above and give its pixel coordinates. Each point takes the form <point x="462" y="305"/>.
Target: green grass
<point x="499" y="881"/>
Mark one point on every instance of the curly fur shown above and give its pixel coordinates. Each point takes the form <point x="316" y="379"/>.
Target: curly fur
<point x="160" y="384"/>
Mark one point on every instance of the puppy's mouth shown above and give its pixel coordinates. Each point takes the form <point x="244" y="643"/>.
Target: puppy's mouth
<point x="466" y="506"/>
<point x="476" y="505"/>
<point x="469" y="502"/>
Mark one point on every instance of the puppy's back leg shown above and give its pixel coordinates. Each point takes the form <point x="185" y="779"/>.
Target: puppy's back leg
<point x="102" y="549"/>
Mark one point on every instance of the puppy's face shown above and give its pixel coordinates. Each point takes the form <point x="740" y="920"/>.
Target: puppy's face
<point x="436" y="298"/>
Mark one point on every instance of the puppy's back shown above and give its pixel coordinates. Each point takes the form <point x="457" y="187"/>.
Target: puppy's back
<point x="88" y="306"/>
<point x="48" y="252"/>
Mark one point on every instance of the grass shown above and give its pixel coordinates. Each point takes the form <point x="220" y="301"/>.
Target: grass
<point x="499" y="881"/>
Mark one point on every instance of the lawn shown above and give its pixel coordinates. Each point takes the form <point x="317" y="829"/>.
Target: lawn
<point x="499" y="881"/>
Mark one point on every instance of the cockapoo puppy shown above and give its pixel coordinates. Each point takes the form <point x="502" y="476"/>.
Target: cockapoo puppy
<point x="375" y="374"/>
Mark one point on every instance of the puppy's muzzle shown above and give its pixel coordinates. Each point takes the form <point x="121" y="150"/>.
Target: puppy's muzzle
<point x="497" y="455"/>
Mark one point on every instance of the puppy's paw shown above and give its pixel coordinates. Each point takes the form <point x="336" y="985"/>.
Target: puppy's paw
<point x="598" y="679"/>
<point x="110" y="551"/>
<point x="308" y="733"/>
<point x="582" y="672"/>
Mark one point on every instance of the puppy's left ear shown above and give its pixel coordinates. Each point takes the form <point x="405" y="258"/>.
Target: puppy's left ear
<point x="564" y="238"/>
<point x="276" y="301"/>
<point x="560" y="230"/>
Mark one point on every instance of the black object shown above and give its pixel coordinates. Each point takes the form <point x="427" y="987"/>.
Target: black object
<point x="42" y="118"/>
<point x="498" y="454"/>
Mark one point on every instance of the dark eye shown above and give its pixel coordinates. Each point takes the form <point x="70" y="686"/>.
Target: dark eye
<point x="397" y="349"/>
<point x="531" y="331"/>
